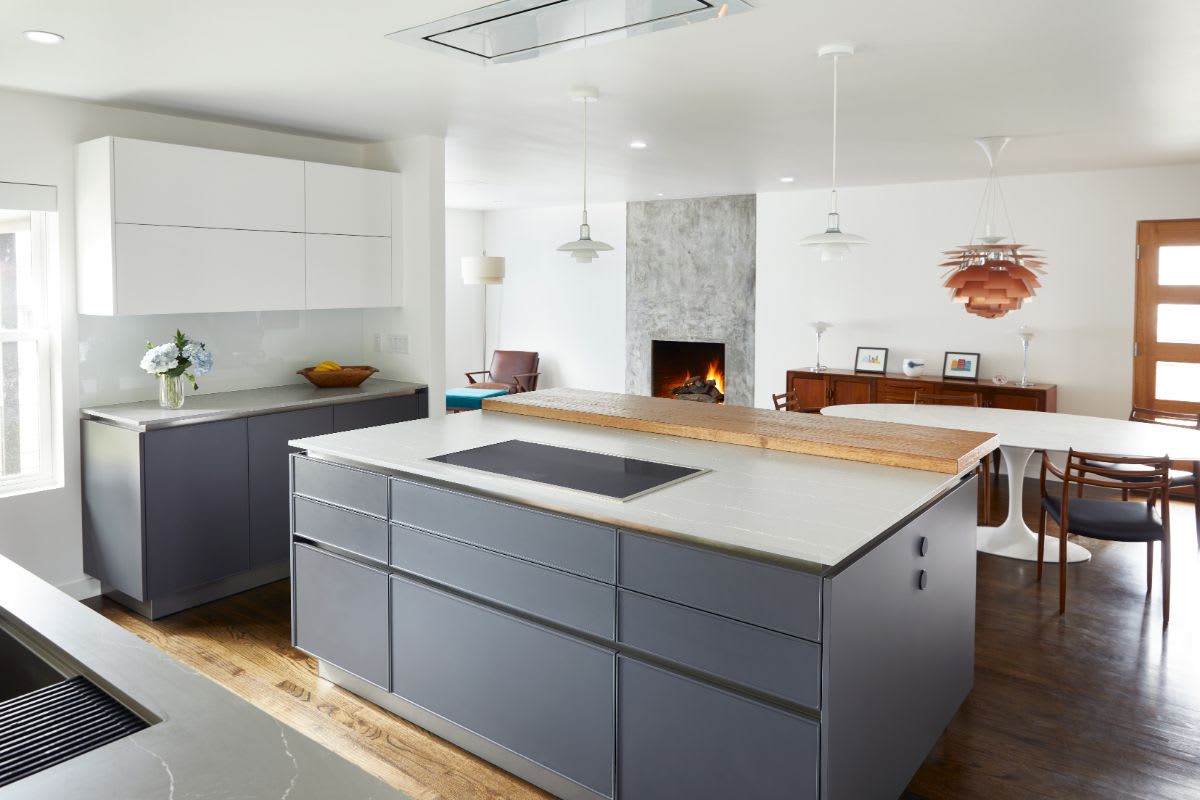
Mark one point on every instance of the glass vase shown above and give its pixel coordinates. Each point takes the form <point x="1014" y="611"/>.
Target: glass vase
<point x="171" y="391"/>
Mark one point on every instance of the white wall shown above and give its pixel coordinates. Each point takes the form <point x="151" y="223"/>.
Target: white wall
<point x="572" y="314"/>
<point x="464" y="304"/>
<point x="42" y="530"/>
<point x="889" y="293"/>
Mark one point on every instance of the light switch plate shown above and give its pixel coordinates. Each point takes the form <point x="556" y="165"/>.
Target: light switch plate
<point x="397" y="343"/>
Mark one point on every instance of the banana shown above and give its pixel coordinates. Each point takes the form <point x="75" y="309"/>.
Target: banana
<point x="327" y="366"/>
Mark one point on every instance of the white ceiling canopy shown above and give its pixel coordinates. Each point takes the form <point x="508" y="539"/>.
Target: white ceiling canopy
<point x="516" y="30"/>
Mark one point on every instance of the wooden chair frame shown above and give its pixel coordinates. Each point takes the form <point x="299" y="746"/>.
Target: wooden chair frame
<point x="1082" y="469"/>
<point x="790" y="401"/>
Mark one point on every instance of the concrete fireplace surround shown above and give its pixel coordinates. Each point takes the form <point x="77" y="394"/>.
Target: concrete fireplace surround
<point x="689" y="276"/>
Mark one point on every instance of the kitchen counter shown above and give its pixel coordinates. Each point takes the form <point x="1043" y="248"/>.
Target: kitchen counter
<point x="209" y="743"/>
<point x="804" y="511"/>
<point x="147" y="415"/>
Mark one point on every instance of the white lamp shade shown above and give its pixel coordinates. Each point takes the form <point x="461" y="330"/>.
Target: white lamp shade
<point x="483" y="269"/>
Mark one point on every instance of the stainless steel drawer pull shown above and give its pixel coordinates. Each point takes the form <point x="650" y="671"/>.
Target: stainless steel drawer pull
<point x="922" y="579"/>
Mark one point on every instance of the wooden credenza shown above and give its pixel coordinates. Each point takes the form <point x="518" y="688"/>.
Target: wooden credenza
<point x="835" y="387"/>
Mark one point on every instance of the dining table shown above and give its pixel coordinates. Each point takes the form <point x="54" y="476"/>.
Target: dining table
<point x="1020" y="434"/>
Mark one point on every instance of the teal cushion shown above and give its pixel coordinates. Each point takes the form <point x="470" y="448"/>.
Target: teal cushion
<point x="470" y="398"/>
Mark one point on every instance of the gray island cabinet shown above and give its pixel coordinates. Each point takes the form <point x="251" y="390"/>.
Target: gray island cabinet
<point x="182" y="507"/>
<point x="599" y="661"/>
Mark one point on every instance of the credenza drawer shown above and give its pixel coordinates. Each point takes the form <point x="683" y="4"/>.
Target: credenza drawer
<point x="340" y="485"/>
<point x="751" y="591"/>
<point x="754" y="657"/>
<point x="358" y="533"/>
<point x="561" y="597"/>
<point x="562" y="542"/>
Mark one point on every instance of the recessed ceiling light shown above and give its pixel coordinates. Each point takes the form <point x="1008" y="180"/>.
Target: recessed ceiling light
<point x="787" y="179"/>
<point x="638" y="144"/>
<point x="43" y="37"/>
<point x="659" y="194"/>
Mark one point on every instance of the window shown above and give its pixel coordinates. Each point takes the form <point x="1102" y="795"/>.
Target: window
<point x="26" y="400"/>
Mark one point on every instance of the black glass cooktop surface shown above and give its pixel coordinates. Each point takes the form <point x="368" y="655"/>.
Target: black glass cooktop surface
<point x="598" y="473"/>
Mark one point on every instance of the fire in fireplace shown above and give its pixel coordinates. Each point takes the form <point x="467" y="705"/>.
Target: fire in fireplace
<point x="688" y="370"/>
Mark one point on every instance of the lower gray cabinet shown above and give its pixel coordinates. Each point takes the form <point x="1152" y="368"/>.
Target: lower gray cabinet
<point x="384" y="411"/>
<point x="270" y="493"/>
<point x="341" y="613"/>
<point x="680" y="738"/>
<point x="537" y="692"/>
<point x="197" y="505"/>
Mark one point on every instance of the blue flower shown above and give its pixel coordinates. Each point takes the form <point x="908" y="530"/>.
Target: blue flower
<point x="201" y="360"/>
<point x="161" y="359"/>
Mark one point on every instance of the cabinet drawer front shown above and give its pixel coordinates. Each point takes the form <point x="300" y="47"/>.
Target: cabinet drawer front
<point x="681" y="738"/>
<point x="560" y="597"/>
<point x="562" y="542"/>
<point x="759" y="659"/>
<point x="751" y="591"/>
<point x="542" y="694"/>
<point x="341" y="613"/>
<point x="900" y="391"/>
<point x="349" y="530"/>
<point x="340" y="485"/>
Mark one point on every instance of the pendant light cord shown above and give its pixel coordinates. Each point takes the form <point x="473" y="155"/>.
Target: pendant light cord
<point x="833" y="169"/>
<point x="585" y="157"/>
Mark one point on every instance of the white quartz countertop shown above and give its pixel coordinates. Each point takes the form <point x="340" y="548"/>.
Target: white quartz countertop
<point x="148" y="415"/>
<point x="210" y="743"/>
<point x="806" y="511"/>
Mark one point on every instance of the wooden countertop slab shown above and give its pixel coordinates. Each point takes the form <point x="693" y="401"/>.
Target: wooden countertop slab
<point x="890" y="444"/>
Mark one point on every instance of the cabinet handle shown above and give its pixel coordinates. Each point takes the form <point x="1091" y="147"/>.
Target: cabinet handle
<point x="922" y="580"/>
<point x="923" y="547"/>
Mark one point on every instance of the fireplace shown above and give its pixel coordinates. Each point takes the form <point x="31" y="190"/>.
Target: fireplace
<point x="688" y="370"/>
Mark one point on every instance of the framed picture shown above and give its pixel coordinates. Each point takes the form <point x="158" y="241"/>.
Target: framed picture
<point x="964" y="366"/>
<point x="871" y="359"/>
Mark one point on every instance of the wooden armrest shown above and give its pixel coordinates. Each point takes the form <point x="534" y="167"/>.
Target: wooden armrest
<point x="523" y="385"/>
<point x="471" y="375"/>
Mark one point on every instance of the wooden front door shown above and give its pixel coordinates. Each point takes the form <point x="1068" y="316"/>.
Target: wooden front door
<point x="1166" y="363"/>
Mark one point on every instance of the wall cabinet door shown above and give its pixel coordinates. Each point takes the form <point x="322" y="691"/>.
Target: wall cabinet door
<point x="347" y="200"/>
<point x="540" y="693"/>
<point x="679" y="737"/>
<point x="341" y="613"/>
<point x="169" y="184"/>
<point x="844" y="389"/>
<point x="347" y="271"/>
<point x="270" y="490"/>
<point x="197" y="505"/>
<point x="810" y="389"/>
<point x="163" y="270"/>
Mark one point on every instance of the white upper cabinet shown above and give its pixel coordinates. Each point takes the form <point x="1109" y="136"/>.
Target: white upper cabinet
<point x="347" y="200"/>
<point x="164" y="228"/>
<point x="167" y="184"/>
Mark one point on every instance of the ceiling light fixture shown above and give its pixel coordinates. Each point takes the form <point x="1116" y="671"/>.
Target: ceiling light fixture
<point x="585" y="249"/>
<point x="988" y="277"/>
<point x="787" y="179"/>
<point x="833" y="244"/>
<point x="43" y="37"/>
<point x="637" y="144"/>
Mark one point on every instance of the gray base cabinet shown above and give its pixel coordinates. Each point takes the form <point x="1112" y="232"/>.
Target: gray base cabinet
<point x="540" y="693"/>
<point x="601" y="663"/>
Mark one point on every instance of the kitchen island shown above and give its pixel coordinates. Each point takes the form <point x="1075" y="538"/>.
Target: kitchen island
<point x="776" y="625"/>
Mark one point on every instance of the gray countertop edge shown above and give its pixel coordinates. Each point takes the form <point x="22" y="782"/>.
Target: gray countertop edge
<point x="208" y="743"/>
<point x="146" y="415"/>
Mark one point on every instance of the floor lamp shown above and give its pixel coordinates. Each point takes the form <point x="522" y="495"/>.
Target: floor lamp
<point x="484" y="270"/>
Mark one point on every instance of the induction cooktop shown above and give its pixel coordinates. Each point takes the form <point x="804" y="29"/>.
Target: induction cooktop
<point x="616" y="477"/>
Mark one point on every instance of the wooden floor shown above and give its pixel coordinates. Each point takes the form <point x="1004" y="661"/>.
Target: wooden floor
<point x="1101" y="703"/>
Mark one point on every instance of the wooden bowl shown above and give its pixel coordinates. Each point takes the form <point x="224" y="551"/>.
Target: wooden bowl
<point x="338" y="379"/>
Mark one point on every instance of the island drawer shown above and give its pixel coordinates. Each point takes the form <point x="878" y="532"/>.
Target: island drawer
<point x="340" y="613"/>
<point x="551" y="594"/>
<point x="357" y="533"/>
<point x="569" y="544"/>
<point x="757" y="592"/>
<point x="340" y="485"/>
<point x="754" y="657"/>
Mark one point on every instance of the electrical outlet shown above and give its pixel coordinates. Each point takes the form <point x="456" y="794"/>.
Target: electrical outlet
<point x="377" y="343"/>
<point x="397" y="343"/>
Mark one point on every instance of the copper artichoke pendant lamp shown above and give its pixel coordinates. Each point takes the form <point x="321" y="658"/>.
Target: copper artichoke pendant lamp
<point x="988" y="277"/>
<point x="832" y="243"/>
<point x="585" y="249"/>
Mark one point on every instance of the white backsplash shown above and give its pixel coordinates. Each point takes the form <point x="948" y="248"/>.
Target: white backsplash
<point x="250" y="349"/>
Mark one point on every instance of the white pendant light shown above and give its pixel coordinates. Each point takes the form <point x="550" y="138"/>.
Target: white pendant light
<point x="483" y="269"/>
<point x="833" y="244"/>
<point x="585" y="249"/>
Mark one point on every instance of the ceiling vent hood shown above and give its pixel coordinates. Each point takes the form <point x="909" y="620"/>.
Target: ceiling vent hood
<point x="515" y="30"/>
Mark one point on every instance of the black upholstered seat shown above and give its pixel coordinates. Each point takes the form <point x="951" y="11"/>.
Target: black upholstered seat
<point x="1114" y="520"/>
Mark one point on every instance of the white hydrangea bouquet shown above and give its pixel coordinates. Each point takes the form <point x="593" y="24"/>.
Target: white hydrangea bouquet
<point x="179" y="359"/>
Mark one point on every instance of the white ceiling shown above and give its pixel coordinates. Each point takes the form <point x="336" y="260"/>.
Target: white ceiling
<point x="727" y="106"/>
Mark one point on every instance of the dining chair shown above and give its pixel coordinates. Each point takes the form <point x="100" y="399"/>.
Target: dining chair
<point x="1179" y="478"/>
<point x="985" y="463"/>
<point x="513" y="370"/>
<point x="1112" y="520"/>
<point x="790" y="401"/>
